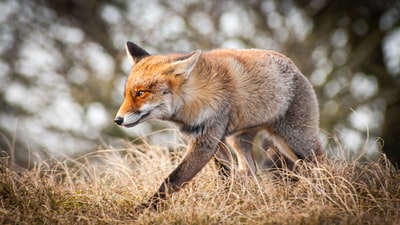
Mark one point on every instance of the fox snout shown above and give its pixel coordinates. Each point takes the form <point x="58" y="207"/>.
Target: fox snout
<point x="131" y="119"/>
<point x="119" y="120"/>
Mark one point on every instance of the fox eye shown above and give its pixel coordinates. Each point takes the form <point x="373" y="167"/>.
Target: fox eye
<point x="139" y="93"/>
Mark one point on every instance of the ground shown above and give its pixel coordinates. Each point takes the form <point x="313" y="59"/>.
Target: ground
<point x="103" y="187"/>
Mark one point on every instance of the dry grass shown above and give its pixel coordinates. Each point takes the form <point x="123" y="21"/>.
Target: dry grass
<point x="103" y="187"/>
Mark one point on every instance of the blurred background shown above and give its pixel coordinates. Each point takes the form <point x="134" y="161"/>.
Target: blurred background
<point x="63" y="65"/>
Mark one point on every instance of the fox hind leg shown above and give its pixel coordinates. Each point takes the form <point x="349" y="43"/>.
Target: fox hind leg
<point x="273" y="159"/>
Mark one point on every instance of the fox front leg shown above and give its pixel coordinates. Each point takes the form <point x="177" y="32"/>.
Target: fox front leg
<point x="200" y="151"/>
<point x="223" y="160"/>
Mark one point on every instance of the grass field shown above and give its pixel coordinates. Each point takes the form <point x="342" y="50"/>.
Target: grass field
<point x="104" y="186"/>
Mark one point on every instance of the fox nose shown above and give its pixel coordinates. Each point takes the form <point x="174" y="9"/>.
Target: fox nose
<point x="119" y="120"/>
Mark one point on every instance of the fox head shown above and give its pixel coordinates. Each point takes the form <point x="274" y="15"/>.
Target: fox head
<point x="152" y="84"/>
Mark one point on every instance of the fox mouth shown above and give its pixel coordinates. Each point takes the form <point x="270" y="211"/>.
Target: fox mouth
<point x="139" y="119"/>
<point x="144" y="116"/>
<point x="134" y="118"/>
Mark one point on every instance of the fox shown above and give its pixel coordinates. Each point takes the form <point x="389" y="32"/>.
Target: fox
<point x="220" y="100"/>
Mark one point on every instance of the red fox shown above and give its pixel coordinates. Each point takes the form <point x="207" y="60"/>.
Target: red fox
<point x="223" y="97"/>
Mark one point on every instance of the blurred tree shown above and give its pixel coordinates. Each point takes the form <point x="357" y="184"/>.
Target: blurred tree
<point x="63" y="64"/>
<point x="362" y="36"/>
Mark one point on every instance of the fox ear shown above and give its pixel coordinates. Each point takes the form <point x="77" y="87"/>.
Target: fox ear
<point x="134" y="52"/>
<point x="185" y="64"/>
